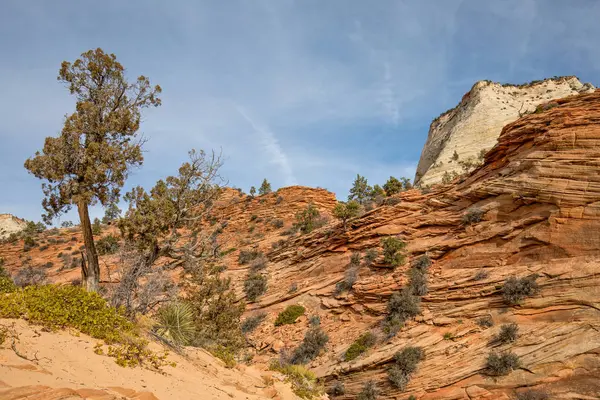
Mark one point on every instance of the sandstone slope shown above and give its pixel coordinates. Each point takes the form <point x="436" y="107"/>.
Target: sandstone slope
<point x="10" y="224"/>
<point x="62" y="365"/>
<point x="474" y="125"/>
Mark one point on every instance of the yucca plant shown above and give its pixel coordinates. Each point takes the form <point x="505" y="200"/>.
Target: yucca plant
<point x="175" y="322"/>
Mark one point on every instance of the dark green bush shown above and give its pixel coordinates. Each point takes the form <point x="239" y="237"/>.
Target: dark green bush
<point x="472" y="216"/>
<point x="277" y="223"/>
<point x="516" y="289"/>
<point x="423" y="262"/>
<point x="314" y="320"/>
<point x="370" y="257"/>
<point x="248" y="255"/>
<point x="485" y="322"/>
<point x="107" y="245"/>
<point x="314" y="341"/>
<point x="28" y="243"/>
<point x="508" y="333"/>
<point x="406" y="362"/>
<point x="255" y="286"/>
<point x="418" y="282"/>
<point x="402" y="306"/>
<point x="253" y="322"/>
<point x="289" y="315"/>
<point x="502" y="364"/>
<point x="337" y="389"/>
<point x="393" y="251"/>
<point x="368" y="392"/>
<point x="360" y="345"/>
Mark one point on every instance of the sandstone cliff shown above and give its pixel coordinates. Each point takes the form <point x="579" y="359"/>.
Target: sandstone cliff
<point x="10" y="224"/>
<point x="458" y="138"/>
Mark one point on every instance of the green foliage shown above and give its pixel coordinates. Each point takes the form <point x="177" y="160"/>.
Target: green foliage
<point x="304" y="382"/>
<point x="418" y="282"/>
<point x="368" y="392"/>
<point x="6" y="285"/>
<point x="111" y="213"/>
<point x="448" y="336"/>
<point x="252" y="191"/>
<point x="265" y="188"/>
<point x="370" y="256"/>
<point x="28" y="243"/>
<point x="253" y="322"/>
<point x="485" y="321"/>
<point x="401" y="306"/>
<point x="337" y="389"/>
<point x="516" y="289"/>
<point x="360" y="345"/>
<point x="32" y="228"/>
<point x="393" y="251"/>
<point x="108" y="244"/>
<point x="360" y="190"/>
<point x="392" y="186"/>
<point x="246" y="256"/>
<point x="406" y="362"/>
<point x="502" y="364"/>
<point x="423" y="262"/>
<point x="96" y="227"/>
<point x="175" y="322"/>
<point x="66" y="224"/>
<point x="255" y="286"/>
<point x="289" y="315"/>
<point x="258" y="263"/>
<point x="314" y="341"/>
<point x="135" y="351"/>
<point x="277" y="223"/>
<point x="225" y="354"/>
<point x="308" y="219"/>
<point x="508" y="333"/>
<point x="346" y="211"/>
<point x="472" y="216"/>
<point x="481" y="275"/>
<point x="314" y="320"/>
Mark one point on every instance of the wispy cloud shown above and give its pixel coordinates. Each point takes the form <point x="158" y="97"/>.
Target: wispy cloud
<point x="271" y="145"/>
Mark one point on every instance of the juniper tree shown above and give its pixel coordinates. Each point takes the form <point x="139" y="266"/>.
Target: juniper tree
<point x="346" y="211"/>
<point x="360" y="191"/>
<point x="111" y="213"/>
<point x="392" y="186"/>
<point x="265" y="188"/>
<point x="89" y="161"/>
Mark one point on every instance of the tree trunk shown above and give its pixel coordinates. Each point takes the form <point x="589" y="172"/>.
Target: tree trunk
<point x="90" y="270"/>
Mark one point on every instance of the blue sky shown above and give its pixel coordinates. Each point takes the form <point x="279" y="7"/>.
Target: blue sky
<point x="307" y="92"/>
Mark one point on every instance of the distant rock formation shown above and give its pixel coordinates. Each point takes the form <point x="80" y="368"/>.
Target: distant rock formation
<point x="459" y="137"/>
<point x="10" y="224"/>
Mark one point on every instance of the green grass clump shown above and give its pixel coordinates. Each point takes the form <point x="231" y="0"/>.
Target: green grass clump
<point x="304" y="381"/>
<point x="289" y="315"/>
<point x="176" y="323"/>
<point x="360" y="345"/>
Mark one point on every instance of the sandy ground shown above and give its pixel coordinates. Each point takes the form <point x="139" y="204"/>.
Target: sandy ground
<point x="64" y="366"/>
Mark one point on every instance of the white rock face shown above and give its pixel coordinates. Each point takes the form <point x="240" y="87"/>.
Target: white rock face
<point x="10" y="224"/>
<point x="475" y="124"/>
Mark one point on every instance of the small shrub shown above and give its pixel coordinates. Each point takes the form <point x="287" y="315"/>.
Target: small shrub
<point x="314" y="341"/>
<point x="253" y="322"/>
<point x="96" y="227"/>
<point x="368" y="392"/>
<point x="255" y="286"/>
<point x="276" y="245"/>
<point x="6" y="285"/>
<point x="277" y="223"/>
<point x="304" y="382"/>
<point x="402" y="306"/>
<point x="472" y="216"/>
<point x="423" y="262"/>
<point x="502" y="364"/>
<point x="258" y="264"/>
<point x="350" y="278"/>
<point x="370" y="257"/>
<point x="406" y="362"/>
<point x="481" y="275"/>
<point x="448" y="336"/>
<point x="279" y="200"/>
<point x="289" y="315"/>
<point x="49" y="264"/>
<point x="253" y="217"/>
<point x="175" y="322"/>
<point x="393" y="251"/>
<point x="30" y="276"/>
<point x="309" y="219"/>
<point x="516" y="289"/>
<point x="531" y="394"/>
<point x="360" y="345"/>
<point x="355" y="259"/>
<point x="224" y="354"/>
<point x="28" y="243"/>
<point x="418" y="282"/>
<point x="485" y="322"/>
<point x="337" y="389"/>
<point x="293" y="288"/>
<point x="508" y="333"/>
<point x="107" y="245"/>
<point x="246" y="256"/>
<point x="314" y="320"/>
<point x="44" y="247"/>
